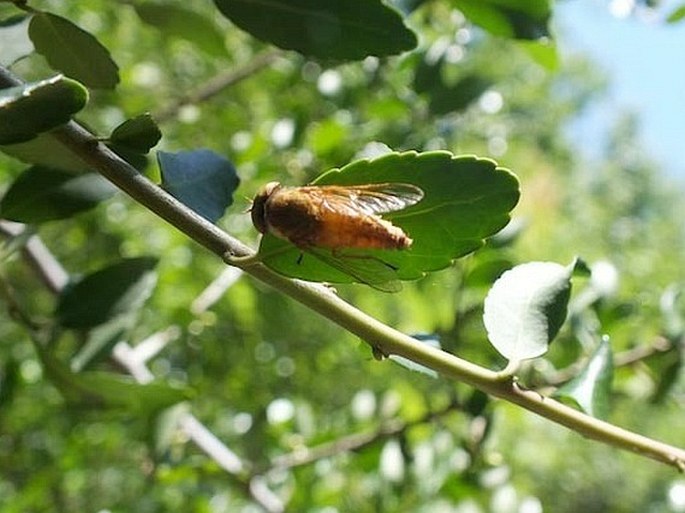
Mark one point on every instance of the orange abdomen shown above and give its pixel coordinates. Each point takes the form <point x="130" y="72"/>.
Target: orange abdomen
<point x="337" y="231"/>
<point x="307" y="220"/>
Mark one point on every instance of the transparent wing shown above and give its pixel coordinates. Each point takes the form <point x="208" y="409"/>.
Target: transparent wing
<point x="376" y="198"/>
<point x="368" y="270"/>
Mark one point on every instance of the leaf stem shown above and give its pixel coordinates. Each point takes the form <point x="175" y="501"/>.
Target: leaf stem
<point x="591" y="427"/>
<point x="217" y="84"/>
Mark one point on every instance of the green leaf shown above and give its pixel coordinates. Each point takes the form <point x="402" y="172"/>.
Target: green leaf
<point x="605" y="274"/>
<point x="457" y="97"/>
<point x="136" y="159"/>
<point x="109" y="391"/>
<point x="542" y="51"/>
<point x="139" y="134"/>
<point x="10" y="379"/>
<point x="134" y="138"/>
<point x="327" y="136"/>
<point x="677" y="15"/>
<point x="477" y="402"/>
<point x="101" y="339"/>
<point x="466" y="199"/>
<point x="427" y="74"/>
<point x="666" y="371"/>
<point x="105" y="294"/>
<point x="339" y="29"/>
<point x="486" y="270"/>
<point x="590" y="390"/>
<point x="509" y="18"/>
<point x="445" y="97"/>
<point x="176" y="21"/>
<point x="201" y="179"/>
<point x="526" y="307"/>
<point x="113" y="391"/>
<point x="47" y="151"/>
<point x="42" y="194"/>
<point x="73" y="51"/>
<point x="29" y="109"/>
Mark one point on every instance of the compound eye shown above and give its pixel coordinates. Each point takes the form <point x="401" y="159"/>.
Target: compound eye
<point x="258" y="210"/>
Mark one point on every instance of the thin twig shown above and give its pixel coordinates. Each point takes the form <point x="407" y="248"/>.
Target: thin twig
<point x="40" y="257"/>
<point x="354" y="442"/>
<point x="624" y="359"/>
<point x="640" y="353"/>
<point x="215" y="290"/>
<point x="217" y="84"/>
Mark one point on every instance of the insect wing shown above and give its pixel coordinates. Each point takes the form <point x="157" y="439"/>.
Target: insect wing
<point x="377" y="198"/>
<point x="363" y="268"/>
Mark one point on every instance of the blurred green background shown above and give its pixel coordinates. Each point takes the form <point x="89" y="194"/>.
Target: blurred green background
<point x="271" y="378"/>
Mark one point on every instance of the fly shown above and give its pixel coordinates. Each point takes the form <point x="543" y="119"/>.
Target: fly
<point x="325" y="220"/>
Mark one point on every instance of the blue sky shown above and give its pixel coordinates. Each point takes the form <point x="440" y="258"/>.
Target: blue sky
<point x="645" y="64"/>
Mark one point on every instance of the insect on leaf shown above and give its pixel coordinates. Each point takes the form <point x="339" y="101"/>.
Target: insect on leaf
<point x="465" y="199"/>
